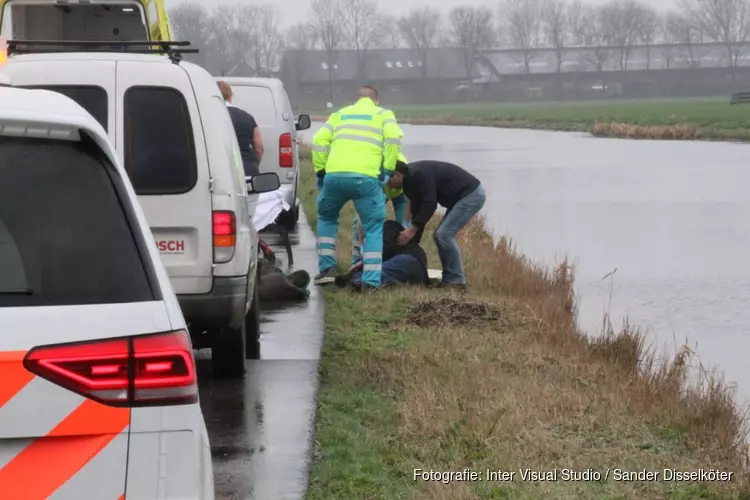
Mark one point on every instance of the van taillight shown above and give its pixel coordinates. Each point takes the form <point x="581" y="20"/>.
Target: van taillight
<point x="225" y="235"/>
<point x="145" y="370"/>
<point x="286" y="156"/>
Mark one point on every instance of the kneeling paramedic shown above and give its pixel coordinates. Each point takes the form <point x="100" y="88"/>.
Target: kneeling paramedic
<point x="354" y="155"/>
<point x="427" y="184"/>
<point x="400" y="204"/>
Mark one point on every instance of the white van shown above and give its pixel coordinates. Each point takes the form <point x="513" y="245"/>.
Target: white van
<point x="172" y="129"/>
<point x="267" y="101"/>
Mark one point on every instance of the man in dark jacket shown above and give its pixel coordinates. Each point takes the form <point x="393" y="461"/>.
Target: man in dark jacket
<point x="427" y="184"/>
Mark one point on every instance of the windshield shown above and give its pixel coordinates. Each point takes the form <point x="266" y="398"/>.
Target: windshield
<point x="48" y="20"/>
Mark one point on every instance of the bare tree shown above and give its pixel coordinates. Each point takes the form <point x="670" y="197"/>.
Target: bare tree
<point x="302" y="36"/>
<point x="683" y="30"/>
<point x="361" y="24"/>
<point x="389" y="33"/>
<point x="327" y="25"/>
<point x="190" y="22"/>
<point x="420" y="29"/>
<point x="523" y="27"/>
<point x="266" y="39"/>
<point x="555" y="20"/>
<point x="472" y="30"/>
<point x="587" y="30"/>
<point x="231" y="41"/>
<point x="647" y="29"/>
<point x="668" y="38"/>
<point x="724" y="21"/>
<point x="620" y="22"/>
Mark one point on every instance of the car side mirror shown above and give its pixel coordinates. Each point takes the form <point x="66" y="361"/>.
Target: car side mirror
<point x="303" y="122"/>
<point x="262" y="183"/>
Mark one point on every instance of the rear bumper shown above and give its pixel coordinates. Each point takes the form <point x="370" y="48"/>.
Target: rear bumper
<point x="224" y="305"/>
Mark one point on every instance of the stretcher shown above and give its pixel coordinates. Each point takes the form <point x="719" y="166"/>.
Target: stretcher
<point x="269" y="207"/>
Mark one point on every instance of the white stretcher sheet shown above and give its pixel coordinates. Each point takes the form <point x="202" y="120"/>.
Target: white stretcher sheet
<point x="268" y="207"/>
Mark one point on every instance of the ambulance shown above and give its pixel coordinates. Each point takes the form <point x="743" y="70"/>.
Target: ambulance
<point x="84" y="20"/>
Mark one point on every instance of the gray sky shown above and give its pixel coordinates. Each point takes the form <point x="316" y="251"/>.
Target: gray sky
<point x="296" y="10"/>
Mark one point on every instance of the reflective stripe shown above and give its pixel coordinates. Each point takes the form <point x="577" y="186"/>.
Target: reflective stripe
<point x="373" y="255"/>
<point x="13" y="375"/>
<point x="364" y="128"/>
<point x="356" y="117"/>
<point x="328" y="126"/>
<point x="372" y="267"/>
<point x="358" y="139"/>
<point x="59" y="404"/>
<point x="90" y="428"/>
<point x="326" y="239"/>
<point x="108" y="463"/>
<point x="382" y="110"/>
<point x="320" y="149"/>
<point x="389" y="120"/>
<point x="393" y="141"/>
<point x="326" y="251"/>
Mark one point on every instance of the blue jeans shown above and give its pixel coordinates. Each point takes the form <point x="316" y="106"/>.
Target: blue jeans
<point x="367" y="195"/>
<point x="445" y="235"/>
<point x="403" y="269"/>
<point x="399" y="210"/>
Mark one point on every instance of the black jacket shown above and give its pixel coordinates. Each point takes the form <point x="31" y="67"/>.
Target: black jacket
<point x="428" y="183"/>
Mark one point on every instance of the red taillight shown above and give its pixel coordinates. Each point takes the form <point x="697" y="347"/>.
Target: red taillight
<point x="286" y="157"/>
<point x="225" y="229"/>
<point x="132" y="371"/>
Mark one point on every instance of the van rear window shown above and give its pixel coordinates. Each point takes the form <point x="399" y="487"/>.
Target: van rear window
<point x="159" y="146"/>
<point x="258" y="101"/>
<point x="64" y="236"/>
<point x="91" y="98"/>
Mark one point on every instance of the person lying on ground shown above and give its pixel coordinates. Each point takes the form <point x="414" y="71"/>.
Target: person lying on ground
<point x="402" y="264"/>
<point x="276" y="286"/>
<point x="427" y="184"/>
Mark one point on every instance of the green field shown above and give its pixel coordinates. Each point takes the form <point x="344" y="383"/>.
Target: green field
<point x="708" y="118"/>
<point x="500" y="379"/>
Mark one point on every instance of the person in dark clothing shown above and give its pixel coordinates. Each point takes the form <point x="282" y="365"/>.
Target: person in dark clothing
<point x="402" y="264"/>
<point x="427" y="184"/>
<point x="247" y="131"/>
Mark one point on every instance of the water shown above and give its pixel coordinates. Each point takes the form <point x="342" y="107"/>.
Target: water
<point x="672" y="217"/>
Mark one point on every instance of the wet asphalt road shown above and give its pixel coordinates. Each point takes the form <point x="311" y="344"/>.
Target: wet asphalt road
<point x="261" y="428"/>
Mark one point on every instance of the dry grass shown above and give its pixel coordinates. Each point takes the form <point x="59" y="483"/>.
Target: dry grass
<point x="500" y="378"/>
<point x="632" y="131"/>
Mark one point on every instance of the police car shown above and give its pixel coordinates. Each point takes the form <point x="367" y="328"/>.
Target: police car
<point x="98" y="391"/>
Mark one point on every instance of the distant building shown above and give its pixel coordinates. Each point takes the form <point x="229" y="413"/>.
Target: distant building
<point x="400" y="75"/>
<point x="515" y="74"/>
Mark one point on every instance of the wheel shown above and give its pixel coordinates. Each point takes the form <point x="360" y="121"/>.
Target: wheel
<point x="290" y="218"/>
<point x="228" y="352"/>
<point x="252" y="325"/>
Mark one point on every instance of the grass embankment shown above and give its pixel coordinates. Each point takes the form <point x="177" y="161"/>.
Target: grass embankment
<point x="501" y="379"/>
<point x="706" y="119"/>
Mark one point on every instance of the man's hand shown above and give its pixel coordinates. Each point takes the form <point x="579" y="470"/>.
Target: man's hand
<point x="407" y="235"/>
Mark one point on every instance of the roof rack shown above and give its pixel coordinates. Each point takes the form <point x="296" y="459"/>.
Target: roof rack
<point x="58" y="46"/>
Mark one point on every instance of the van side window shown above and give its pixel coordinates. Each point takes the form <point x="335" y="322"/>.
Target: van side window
<point x="90" y="97"/>
<point x="65" y="238"/>
<point x="159" y="145"/>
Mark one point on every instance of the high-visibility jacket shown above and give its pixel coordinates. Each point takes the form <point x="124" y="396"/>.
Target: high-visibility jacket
<point x="362" y="138"/>
<point x="391" y="193"/>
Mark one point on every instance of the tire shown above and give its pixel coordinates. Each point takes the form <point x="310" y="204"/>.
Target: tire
<point x="252" y="325"/>
<point x="228" y="352"/>
<point x="290" y="218"/>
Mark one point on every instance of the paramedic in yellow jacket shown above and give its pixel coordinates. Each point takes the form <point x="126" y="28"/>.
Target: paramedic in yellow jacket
<point x="400" y="202"/>
<point x="354" y="154"/>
